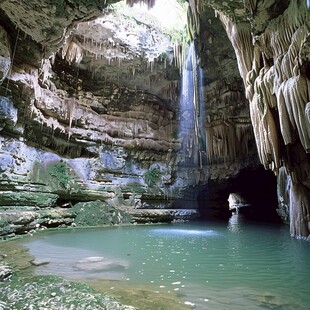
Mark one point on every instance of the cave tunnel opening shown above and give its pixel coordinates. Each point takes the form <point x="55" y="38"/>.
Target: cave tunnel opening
<point x="257" y="186"/>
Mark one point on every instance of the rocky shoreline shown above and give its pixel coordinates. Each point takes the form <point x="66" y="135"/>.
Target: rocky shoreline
<point x="93" y="213"/>
<point x="50" y="292"/>
<point x="20" y="288"/>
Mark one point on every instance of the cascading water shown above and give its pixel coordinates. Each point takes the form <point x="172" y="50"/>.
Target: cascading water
<point x="191" y="128"/>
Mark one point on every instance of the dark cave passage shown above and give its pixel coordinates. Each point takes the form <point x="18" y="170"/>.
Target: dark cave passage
<point x="257" y="186"/>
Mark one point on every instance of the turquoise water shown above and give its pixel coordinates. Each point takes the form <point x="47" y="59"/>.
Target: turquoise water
<point x="226" y="265"/>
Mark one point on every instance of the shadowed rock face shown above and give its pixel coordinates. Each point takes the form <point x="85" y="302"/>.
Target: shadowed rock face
<point x="90" y="100"/>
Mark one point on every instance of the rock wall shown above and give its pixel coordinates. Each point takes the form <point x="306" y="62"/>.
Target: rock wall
<point x="272" y="49"/>
<point x="88" y="117"/>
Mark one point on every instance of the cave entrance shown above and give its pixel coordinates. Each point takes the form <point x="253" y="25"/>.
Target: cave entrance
<point x="258" y="188"/>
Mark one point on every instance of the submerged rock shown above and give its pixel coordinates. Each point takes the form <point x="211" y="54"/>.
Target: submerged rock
<point x="98" y="263"/>
<point x="269" y="300"/>
<point x="38" y="263"/>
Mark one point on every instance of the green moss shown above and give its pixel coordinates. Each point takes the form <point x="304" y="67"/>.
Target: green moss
<point x="58" y="176"/>
<point x="51" y="292"/>
<point x="98" y="213"/>
<point x="152" y="176"/>
<point x="182" y="37"/>
<point x="2" y="221"/>
<point x="59" y="173"/>
<point x="59" y="6"/>
<point x="175" y="135"/>
<point x="134" y="187"/>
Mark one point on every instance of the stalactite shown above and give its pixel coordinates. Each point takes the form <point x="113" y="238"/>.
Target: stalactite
<point x="257" y="132"/>
<point x="245" y="135"/>
<point x="267" y="89"/>
<point x="71" y="111"/>
<point x="307" y="111"/>
<point x="241" y="39"/>
<point x="299" y="211"/>
<point x="266" y="137"/>
<point x="278" y="87"/>
<point x="250" y="6"/>
<point x="227" y="141"/>
<point x="149" y="3"/>
<point x="283" y="191"/>
<point x="179" y="51"/>
<point x="282" y="29"/>
<point x="72" y="52"/>
<point x="45" y="71"/>
<point x="194" y="10"/>
<point x="8" y="71"/>
<point x="292" y="99"/>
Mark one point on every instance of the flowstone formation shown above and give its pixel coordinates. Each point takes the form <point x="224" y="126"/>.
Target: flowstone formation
<point x="271" y="42"/>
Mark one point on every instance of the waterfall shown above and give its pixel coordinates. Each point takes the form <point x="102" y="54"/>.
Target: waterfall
<point x="191" y="126"/>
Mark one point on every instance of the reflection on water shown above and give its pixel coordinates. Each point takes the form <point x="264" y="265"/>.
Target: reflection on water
<point x="234" y="265"/>
<point x="235" y="223"/>
<point x="183" y="232"/>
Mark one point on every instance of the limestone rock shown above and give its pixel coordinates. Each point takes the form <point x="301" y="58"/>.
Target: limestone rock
<point x="23" y="198"/>
<point x="5" y="54"/>
<point x="19" y="220"/>
<point x="272" y="55"/>
<point x="163" y="215"/>
<point x="47" y="22"/>
<point x="94" y="263"/>
<point x="97" y="213"/>
<point x="8" y="113"/>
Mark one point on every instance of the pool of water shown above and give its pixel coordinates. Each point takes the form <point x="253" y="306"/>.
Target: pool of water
<point x="227" y="265"/>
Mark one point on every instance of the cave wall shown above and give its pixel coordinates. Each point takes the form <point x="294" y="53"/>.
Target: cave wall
<point x="86" y="115"/>
<point x="90" y="108"/>
<point x="81" y="116"/>
<point x="271" y="43"/>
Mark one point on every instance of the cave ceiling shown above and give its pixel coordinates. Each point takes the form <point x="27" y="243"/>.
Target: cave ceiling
<point x="110" y="57"/>
<point x="89" y="38"/>
<point x="94" y="41"/>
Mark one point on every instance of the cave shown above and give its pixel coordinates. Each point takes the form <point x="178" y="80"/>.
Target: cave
<point x="261" y="200"/>
<point x="154" y="112"/>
